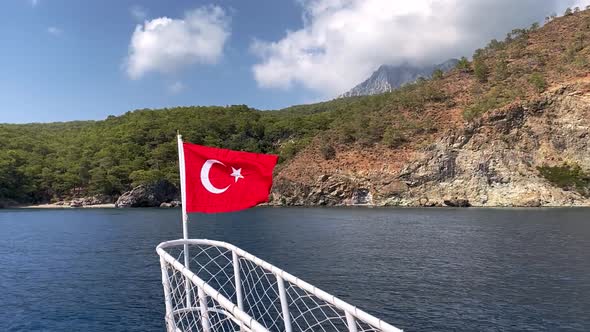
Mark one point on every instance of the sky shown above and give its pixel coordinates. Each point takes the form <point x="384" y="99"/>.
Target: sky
<point x="63" y="60"/>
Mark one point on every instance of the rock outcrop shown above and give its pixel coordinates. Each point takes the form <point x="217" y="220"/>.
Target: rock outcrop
<point x="87" y="201"/>
<point x="457" y="202"/>
<point x="493" y="161"/>
<point x="172" y="204"/>
<point x="326" y="191"/>
<point x="149" y="195"/>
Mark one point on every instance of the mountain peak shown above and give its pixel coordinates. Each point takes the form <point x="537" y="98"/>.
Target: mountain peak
<point x="388" y="77"/>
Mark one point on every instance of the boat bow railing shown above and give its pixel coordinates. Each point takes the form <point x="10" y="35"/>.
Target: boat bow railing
<point x="224" y="288"/>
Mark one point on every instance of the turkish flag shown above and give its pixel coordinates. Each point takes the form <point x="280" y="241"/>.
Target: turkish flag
<point x="221" y="180"/>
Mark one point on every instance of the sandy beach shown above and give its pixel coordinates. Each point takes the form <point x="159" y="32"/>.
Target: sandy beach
<point x="56" y="206"/>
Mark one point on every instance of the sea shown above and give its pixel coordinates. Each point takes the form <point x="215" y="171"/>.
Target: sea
<point x="418" y="269"/>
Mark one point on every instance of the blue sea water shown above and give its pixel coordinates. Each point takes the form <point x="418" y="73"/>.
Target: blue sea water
<point x="418" y="269"/>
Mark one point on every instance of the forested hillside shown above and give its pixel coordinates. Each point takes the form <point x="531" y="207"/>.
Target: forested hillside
<point x="40" y="162"/>
<point x="44" y="162"/>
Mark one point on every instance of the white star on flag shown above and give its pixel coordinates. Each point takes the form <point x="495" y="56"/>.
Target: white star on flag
<point x="237" y="174"/>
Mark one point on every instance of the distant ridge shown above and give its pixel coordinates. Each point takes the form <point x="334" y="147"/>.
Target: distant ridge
<point x="388" y="78"/>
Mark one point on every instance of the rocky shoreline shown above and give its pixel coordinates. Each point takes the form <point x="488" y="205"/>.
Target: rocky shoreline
<point x="161" y="194"/>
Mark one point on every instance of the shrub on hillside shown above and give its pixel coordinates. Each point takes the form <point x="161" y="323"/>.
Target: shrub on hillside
<point x="575" y="47"/>
<point x="581" y="62"/>
<point x="291" y="148"/>
<point x="568" y="177"/>
<point x="463" y="65"/>
<point x="393" y="138"/>
<point x="327" y="151"/>
<point x="501" y="71"/>
<point x="538" y="81"/>
<point x="496" y="97"/>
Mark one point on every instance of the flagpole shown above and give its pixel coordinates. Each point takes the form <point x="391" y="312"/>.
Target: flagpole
<point x="181" y="167"/>
<point x="201" y="294"/>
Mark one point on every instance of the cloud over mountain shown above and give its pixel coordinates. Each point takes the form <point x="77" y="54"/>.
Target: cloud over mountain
<point x="343" y="41"/>
<point x="165" y="44"/>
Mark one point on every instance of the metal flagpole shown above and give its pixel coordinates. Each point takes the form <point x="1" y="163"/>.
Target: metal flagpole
<point x="201" y="294"/>
<point x="181" y="166"/>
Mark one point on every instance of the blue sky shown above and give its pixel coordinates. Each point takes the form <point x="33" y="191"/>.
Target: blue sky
<point x="76" y="60"/>
<point x="78" y="71"/>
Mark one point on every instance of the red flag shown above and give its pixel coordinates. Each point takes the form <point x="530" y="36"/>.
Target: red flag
<point x="221" y="180"/>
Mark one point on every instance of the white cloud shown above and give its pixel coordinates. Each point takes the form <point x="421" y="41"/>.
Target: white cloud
<point x="343" y="41"/>
<point x="138" y="12"/>
<point x="55" y="31"/>
<point x="176" y="87"/>
<point x="165" y="45"/>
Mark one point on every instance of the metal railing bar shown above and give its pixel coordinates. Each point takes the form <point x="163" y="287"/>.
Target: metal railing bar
<point x="214" y="294"/>
<point x="238" y="280"/>
<point x="167" y="297"/>
<point x="347" y="308"/>
<point x="284" y="304"/>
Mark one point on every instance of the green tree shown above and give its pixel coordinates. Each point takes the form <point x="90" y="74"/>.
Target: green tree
<point x="495" y="45"/>
<point x="463" y="65"/>
<point x="146" y="176"/>
<point x="480" y="69"/>
<point x="437" y="74"/>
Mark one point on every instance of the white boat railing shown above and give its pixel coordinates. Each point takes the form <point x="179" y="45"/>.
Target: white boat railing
<point x="228" y="289"/>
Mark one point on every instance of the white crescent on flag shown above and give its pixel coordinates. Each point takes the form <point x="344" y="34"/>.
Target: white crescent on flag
<point x="205" y="177"/>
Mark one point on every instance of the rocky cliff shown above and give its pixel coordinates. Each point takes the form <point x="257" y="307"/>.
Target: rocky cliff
<point x="492" y="161"/>
<point x="156" y="194"/>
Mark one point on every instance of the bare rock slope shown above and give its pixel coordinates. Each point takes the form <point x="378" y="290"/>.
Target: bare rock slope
<point x="493" y="161"/>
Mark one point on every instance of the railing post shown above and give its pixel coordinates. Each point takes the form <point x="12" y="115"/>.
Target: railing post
<point x="284" y="304"/>
<point x="351" y="321"/>
<point x="187" y="283"/>
<point x="238" y="280"/>
<point x="204" y="310"/>
<point x="169" y="318"/>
